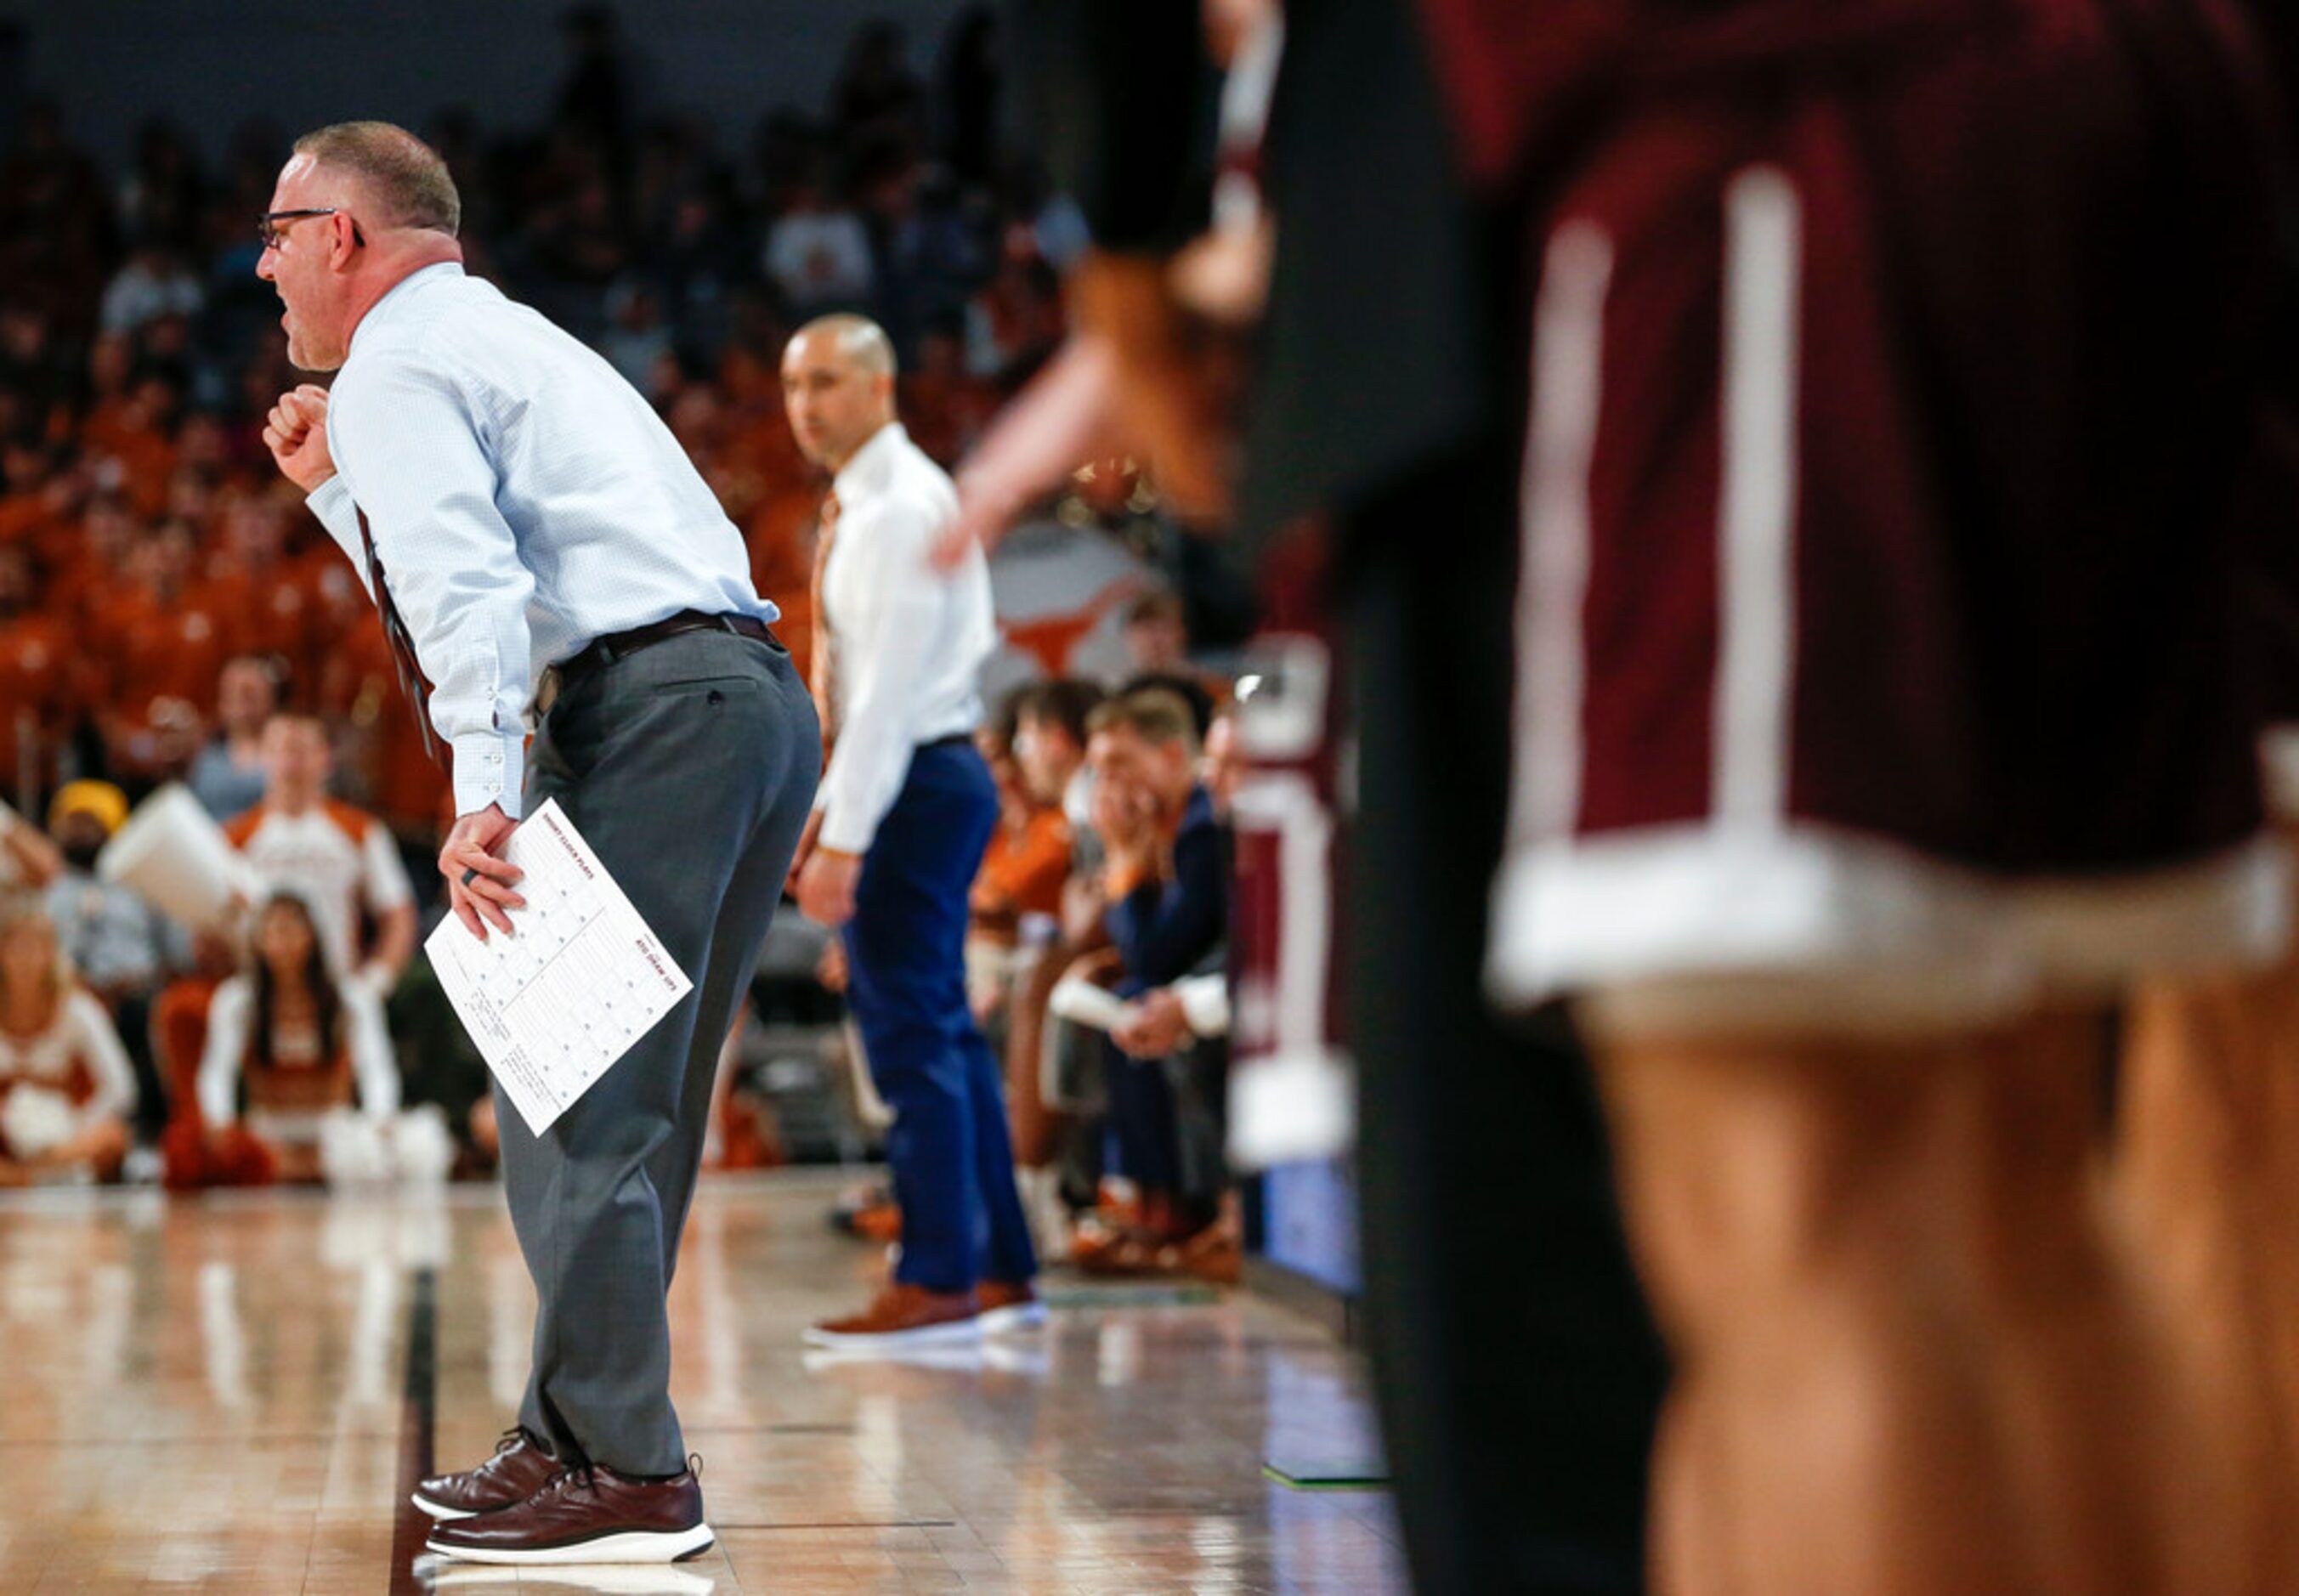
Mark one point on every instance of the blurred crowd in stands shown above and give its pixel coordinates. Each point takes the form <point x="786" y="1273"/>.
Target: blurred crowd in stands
<point x="170" y="613"/>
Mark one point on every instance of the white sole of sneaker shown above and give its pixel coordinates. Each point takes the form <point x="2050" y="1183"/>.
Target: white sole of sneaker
<point x="925" y="1335"/>
<point x="440" y="1510"/>
<point x="1021" y="1316"/>
<point x="625" y="1546"/>
<point x="627" y="1579"/>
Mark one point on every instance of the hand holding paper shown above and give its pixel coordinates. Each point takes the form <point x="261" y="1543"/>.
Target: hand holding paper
<point x="554" y="1005"/>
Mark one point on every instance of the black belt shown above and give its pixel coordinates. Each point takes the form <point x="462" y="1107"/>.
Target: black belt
<point x="603" y="651"/>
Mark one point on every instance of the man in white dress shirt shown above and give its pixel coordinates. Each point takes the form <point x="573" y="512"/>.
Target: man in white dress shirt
<point x="898" y="833"/>
<point x="537" y="539"/>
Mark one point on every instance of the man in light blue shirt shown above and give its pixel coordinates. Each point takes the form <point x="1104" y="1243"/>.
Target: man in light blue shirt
<point x="542" y="549"/>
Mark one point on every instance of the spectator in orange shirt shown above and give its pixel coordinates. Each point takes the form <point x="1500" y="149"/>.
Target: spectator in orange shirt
<point x="42" y="685"/>
<point x="1016" y="900"/>
<point x="139" y="435"/>
<point x="264" y="601"/>
<point x="1029" y="855"/>
<point x="384" y="753"/>
<point x="947" y="406"/>
<point x="167" y="647"/>
<point x="86" y="563"/>
<point x="38" y="495"/>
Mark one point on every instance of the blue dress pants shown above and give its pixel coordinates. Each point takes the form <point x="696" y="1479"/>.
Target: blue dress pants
<point x="950" y="1157"/>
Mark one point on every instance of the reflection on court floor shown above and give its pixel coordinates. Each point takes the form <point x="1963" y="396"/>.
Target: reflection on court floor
<point x="214" y="1396"/>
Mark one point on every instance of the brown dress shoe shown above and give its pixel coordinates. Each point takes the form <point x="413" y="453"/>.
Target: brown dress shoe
<point x="587" y="1514"/>
<point x="516" y="1472"/>
<point x="1215" y="1255"/>
<point x="904" y="1315"/>
<point x="1010" y="1305"/>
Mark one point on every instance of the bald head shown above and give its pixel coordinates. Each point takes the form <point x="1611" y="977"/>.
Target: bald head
<point x="857" y="338"/>
<point x="838" y="386"/>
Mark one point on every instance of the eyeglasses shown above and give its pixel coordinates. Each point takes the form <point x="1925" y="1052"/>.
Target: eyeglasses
<point x="268" y="231"/>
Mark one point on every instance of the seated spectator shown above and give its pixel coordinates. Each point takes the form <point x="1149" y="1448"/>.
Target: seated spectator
<point x="1028" y="857"/>
<point x="1156" y="635"/>
<point x="121" y="947"/>
<point x="66" y="1087"/>
<point x="43" y="675"/>
<point x="29" y="860"/>
<point x="818" y="255"/>
<point x="1049" y="739"/>
<point x="1060" y="1151"/>
<point x="267" y="602"/>
<point x="37" y="502"/>
<point x="1189" y="1020"/>
<point x="636" y="340"/>
<point x="154" y="283"/>
<point x="948" y="407"/>
<point x="1015" y="322"/>
<point x="1165" y="880"/>
<point x="287" y="1044"/>
<point x="165" y="648"/>
<point x="340" y="860"/>
<point x="229" y="775"/>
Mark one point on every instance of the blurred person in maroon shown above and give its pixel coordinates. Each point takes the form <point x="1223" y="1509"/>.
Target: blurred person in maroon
<point x="1845" y="333"/>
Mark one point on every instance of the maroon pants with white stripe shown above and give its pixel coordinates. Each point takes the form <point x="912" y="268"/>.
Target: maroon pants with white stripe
<point x="1889" y="426"/>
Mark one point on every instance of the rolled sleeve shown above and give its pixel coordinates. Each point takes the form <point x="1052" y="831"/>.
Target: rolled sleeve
<point x="331" y="501"/>
<point x="408" y="434"/>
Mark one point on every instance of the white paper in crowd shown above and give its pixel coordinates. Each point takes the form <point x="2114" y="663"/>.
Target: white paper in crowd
<point x="173" y="854"/>
<point x="554" y="1005"/>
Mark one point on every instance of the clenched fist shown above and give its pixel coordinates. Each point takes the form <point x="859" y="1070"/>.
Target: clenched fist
<point x="296" y="434"/>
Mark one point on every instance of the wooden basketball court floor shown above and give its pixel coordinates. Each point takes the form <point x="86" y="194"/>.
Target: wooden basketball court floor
<point x="233" y="1393"/>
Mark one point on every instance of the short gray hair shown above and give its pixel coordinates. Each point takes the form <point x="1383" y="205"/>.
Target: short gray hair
<point x="404" y="176"/>
<point x="858" y="339"/>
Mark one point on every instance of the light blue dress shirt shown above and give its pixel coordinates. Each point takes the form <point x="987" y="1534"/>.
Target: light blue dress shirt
<point x="524" y="499"/>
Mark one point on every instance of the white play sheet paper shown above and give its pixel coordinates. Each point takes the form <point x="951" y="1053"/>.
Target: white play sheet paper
<point x="553" y="1006"/>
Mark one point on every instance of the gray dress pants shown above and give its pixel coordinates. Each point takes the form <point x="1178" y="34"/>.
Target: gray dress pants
<point x="690" y="768"/>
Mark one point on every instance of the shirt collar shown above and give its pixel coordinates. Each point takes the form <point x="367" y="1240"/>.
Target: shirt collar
<point x="871" y="467"/>
<point x="398" y="294"/>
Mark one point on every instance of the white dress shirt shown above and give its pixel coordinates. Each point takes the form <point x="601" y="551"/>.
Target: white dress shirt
<point x="524" y="499"/>
<point x="907" y="642"/>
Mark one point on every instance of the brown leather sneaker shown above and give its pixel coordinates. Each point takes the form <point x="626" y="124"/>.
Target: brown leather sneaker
<point x="1010" y="1305"/>
<point x="586" y="1515"/>
<point x="516" y="1472"/>
<point x="904" y="1315"/>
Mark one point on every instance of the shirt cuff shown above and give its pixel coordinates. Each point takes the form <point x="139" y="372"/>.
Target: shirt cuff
<point x="1205" y="1004"/>
<point x="331" y="501"/>
<point x="842" y="832"/>
<point x="489" y="768"/>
